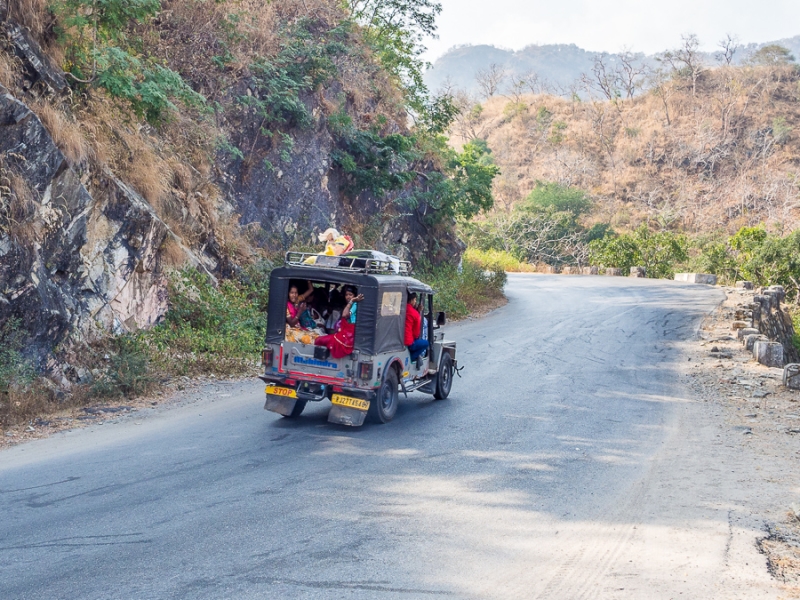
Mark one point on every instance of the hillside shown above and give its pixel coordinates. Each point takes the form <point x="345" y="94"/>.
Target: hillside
<point x="141" y="138"/>
<point x="717" y="159"/>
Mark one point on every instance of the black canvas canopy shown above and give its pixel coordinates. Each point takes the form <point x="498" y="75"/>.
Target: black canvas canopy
<point x="375" y="332"/>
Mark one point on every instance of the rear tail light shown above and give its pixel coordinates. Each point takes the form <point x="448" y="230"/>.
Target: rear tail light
<point x="365" y="370"/>
<point x="266" y="357"/>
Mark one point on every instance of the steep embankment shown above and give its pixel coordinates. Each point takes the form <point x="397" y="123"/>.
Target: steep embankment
<point x="717" y="158"/>
<point x="208" y="134"/>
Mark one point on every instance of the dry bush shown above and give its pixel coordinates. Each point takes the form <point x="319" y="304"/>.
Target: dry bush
<point x="66" y="132"/>
<point x="8" y="71"/>
<point x="172" y="254"/>
<point x="33" y="14"/>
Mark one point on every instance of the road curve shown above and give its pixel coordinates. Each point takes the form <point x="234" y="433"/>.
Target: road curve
<point x="569" y="462"/>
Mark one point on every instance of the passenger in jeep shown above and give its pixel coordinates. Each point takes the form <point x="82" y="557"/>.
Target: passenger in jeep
<point x="413" y="335"/>
<point x="340" y="343"/>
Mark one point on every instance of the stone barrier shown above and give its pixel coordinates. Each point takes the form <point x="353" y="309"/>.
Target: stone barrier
<point x="705" y="278"/>
<point x="613" y="272"/>
<point x="745" y="331"/>
<point x="750" y="340"/>
<point x="791" y="376"/>
<point x="744" y="285"/>
<point x="769" y="354"/>
<point x="638" y="272"/>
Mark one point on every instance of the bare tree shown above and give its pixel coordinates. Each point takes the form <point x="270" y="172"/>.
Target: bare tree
<point x="686" y="60"/>
<point x="602" y="79"/>
<point x="631" y="72"/>
<point x="517" y="88"/>
<point x="490" y="79"/>
<point x="729" y="46"/>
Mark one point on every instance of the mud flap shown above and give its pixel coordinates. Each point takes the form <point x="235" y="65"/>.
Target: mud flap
<point x="279" y="404"/>
<point x="344" y="415"/>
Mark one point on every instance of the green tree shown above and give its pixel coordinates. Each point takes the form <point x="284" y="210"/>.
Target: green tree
<point x="771" y="55"/>
<point x="657" y="252"/>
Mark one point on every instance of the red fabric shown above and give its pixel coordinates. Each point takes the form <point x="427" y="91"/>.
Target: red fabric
<point x="413" y="325"/>
<point x="340" y="343"/>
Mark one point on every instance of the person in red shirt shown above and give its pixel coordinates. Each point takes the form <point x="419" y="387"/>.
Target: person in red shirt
<point x="413" y="333"/>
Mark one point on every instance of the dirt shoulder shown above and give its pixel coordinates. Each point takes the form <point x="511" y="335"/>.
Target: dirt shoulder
<point x="763" y="418"/>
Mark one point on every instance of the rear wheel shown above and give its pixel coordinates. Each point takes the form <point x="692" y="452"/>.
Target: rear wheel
<point x="383" y="408"/>
<point x="298" y="409"/>
<point x="444" y="378"/>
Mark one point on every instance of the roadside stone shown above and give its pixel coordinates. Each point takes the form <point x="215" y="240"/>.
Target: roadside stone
<point x="704" y="278"/>
<point x="778" y="291"/>
<point x="744" y="285"/>
<point x="638" y="272"/>
<point x="590" y="271"/>
<point x="791" y="376"/>
<point x="745" y="331"/>
<point x="741" y="325"/>
<point x="760" y="394"/>
<point x="750" y="340"/>
<point x="613" y="272"/>
<point x="768" y="353"/>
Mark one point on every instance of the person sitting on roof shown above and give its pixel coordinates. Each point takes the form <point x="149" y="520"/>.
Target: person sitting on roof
<point x="341" y="342"/>
<point x="413" y="334"/>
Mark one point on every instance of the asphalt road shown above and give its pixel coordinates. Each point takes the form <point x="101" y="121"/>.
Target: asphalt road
<point x="568" y="462"/>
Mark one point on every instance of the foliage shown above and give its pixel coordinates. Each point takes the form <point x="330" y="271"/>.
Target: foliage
<point x="545" y="227"/>
<point x="462" y="187"/>
<point x="101" y="51"/>
<point x="147" y="87"/>
<point x="657" y="252"/>
<point x="14" y="369"/>
<point x="395" y="29"/>
<point x="462" y="291"/>
<point x="210" y="328"/>
<point x="304" y="61"/>
<point x="771" y="55"/>
<point x="128" y="373"/>
<point x="498" y="260"/>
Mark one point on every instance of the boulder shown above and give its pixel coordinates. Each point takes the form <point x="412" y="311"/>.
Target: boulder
<point x="745" y="331"/>
<point x="769" y="354"/>
<point x="791" y="376"/>
<point x="751" y="339"/>
<point x="638" y="272"/>
<point x="705" y="278"/>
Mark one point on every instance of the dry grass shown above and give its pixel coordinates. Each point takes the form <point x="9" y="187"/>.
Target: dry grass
<point x="8" y="71"/>
<point x="711" y="162"/>
<point x="33" y="14"/>
<point x="66" y="132"/>
<point x="22" y="207"/>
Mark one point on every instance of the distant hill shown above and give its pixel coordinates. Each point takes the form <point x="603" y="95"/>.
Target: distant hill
<point x="560" y="65"/>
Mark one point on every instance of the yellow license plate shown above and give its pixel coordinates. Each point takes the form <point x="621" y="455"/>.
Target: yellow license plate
<point x="349" y="402"/>
<point x="281" y="391"/>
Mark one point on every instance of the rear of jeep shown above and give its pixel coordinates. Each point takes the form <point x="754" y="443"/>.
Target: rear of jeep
<point x="365" y="382"/>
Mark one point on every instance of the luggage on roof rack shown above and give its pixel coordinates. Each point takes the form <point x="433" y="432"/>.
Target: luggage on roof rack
<point x="356" y="261"/>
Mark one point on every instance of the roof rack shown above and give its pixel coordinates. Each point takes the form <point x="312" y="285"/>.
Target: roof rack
<point x="352" y="262"/>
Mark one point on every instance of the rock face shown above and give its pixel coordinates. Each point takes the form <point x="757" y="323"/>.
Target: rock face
<point x="80" y="265"/>
<point x="294" y="195"/>
<point x="37" y="64"/>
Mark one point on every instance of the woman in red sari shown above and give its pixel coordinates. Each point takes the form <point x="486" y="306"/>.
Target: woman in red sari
<point x="341" y="342"/>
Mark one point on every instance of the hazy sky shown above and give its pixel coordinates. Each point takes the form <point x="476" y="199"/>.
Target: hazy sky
<point x="642" y="25"/>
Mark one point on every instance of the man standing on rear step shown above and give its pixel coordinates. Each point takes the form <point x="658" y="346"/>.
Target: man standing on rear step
<point x="412" y="339"/>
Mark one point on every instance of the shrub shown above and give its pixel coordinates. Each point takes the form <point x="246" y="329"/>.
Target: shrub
<point x="657" y="252"/>
<point x="497" y="260"/>
<point x="462" y="291"/>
